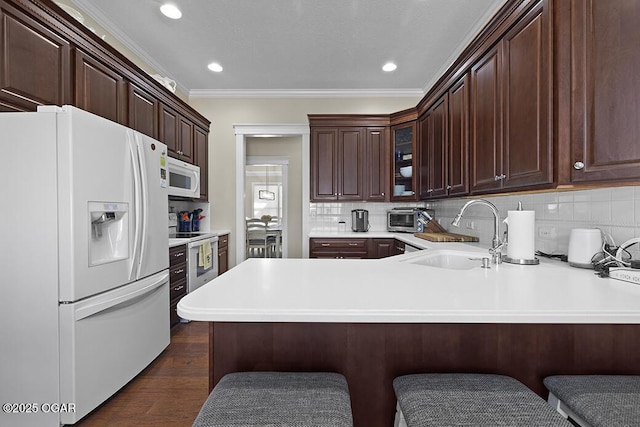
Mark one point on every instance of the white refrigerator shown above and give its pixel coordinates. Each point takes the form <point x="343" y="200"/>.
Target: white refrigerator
<point x="84" y="262"/>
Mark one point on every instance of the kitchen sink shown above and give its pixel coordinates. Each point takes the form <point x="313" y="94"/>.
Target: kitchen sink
<point x="452" y="260"/>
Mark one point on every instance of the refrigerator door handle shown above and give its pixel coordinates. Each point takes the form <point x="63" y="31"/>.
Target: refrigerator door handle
<point x="144" y="185"/>
<point x="91" y="308"/>
<point x="135" y="164"/>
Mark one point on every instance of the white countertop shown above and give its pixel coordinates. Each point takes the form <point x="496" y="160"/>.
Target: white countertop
<point x="391" y="291"/>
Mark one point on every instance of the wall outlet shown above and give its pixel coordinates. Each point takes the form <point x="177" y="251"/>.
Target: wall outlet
<point x="470" y="225"/>
<point x="548" y="233"/>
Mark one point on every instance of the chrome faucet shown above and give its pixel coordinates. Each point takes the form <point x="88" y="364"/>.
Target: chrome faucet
<point x="496" y="244"/>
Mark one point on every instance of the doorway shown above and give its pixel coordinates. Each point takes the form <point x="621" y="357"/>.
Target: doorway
<point x="245" y="131"/>
<point x="266" y="199"/>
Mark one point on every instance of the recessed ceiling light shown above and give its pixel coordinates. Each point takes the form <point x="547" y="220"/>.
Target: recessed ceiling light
<point x="171" y="11"/>
<point x="215" y="67"/>
<point x="389" y="66"/>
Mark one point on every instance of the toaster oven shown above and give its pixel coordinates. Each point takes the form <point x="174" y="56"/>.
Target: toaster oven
<point x="406" y="220"/>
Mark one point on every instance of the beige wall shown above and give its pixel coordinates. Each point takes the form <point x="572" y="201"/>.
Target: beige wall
<point x="225" y="112"/>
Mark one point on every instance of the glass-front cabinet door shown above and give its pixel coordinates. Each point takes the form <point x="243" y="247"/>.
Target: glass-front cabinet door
<point x="404" y="153"/>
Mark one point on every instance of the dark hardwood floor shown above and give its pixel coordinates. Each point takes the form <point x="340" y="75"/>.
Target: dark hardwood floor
<point x="169" y="392"/>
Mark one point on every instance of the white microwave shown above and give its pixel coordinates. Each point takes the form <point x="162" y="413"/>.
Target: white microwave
<point x="184" y="179"/>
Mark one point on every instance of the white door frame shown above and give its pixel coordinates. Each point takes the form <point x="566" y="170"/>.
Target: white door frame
<point x="283" y="162"/>
<point x="242" y="131"/>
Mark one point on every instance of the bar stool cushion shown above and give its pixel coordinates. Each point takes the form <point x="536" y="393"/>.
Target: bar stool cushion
<point x="297" y="399"/>
<point x="473" y="400"/>
<point x="600" y="400"/>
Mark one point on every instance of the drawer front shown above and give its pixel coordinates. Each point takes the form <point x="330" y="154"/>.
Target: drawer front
<point x="178" y="273"/>
<point x="335" y="254"/>
<point x="178" y="289"/>
<point x="353" y="244"/>
<point x="177" y="255"/>
<point x="223" y="241"/>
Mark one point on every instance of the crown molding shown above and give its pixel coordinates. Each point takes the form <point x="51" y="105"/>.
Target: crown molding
<point x="305" y="93"/>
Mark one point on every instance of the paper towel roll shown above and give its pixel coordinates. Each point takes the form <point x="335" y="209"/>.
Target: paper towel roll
<point x="522" y="225"/>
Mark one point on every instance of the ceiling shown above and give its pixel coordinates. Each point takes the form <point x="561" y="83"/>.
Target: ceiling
<point x="296" y="46"/>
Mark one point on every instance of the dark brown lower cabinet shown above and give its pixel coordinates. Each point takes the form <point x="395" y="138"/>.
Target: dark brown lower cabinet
<point x="177" y="280"/>
<point x="346" y="247"/>
<point x="338" y="248"/>
<point x="223" y="253"/>
<point x="371" y="355"/>
<point x="381" y="248"/>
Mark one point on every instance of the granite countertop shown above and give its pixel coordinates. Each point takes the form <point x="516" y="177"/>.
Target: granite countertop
<point x="394" y="290"/>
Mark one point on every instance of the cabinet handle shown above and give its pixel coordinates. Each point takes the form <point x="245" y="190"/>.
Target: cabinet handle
<point x="353" y="244"/>
<point x="178" y="254"/>
<point x="399" y="249"/>
<point x="449" y="187"/>
<point x="179" y="271"/>
<point x="430" y="190"/>
<point x="324" y="245"/>
<point x="578" y="166"/>
<point x="383" y="194"/>
<point x="177" y="288"/>
<point x="499" y="177"/>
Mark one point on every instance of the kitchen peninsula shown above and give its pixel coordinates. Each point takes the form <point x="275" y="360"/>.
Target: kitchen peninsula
<point x="373" y="320"/>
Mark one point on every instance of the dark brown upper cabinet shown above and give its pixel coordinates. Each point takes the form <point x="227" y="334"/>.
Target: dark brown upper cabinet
<point x="458" y="138"/>
<point x="403" y="150"/>
<point x="201" y="153"/>
<point x="100" y="89"/>
<point x="511" y="143"/>
<point x="376" y="164"/>
<point x="35" y="64"/>
<point x="349" y="157"/>
<point x="49" y="58"/>
<point x="143" y="111"/>
<point x="337" y="163"/>
<point x="324" y="169"/>
<point x="177" y="133"/>
<point x="433" y="150"/>
<point x="443" y="148"/>
<point x="599" y="88"/>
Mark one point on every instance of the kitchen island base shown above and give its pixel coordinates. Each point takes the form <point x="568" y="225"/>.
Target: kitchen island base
<point x="371" y="355"/>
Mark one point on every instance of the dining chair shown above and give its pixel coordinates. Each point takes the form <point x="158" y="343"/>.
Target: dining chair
<point x="274" y="237"/>
<point x="256" y="237"/>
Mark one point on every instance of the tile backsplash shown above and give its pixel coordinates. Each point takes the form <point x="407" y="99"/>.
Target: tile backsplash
<point x="615" y="210"/>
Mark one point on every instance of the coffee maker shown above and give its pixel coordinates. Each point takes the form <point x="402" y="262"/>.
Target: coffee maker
<point x="360" y="220"/>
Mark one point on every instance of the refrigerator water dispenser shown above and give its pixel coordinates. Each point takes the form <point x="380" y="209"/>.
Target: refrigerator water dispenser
<point x="109" y="239"/>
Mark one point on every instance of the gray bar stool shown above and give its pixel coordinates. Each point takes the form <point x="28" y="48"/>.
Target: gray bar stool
<point x="596" y="400"/>
<point x="301" y="399"/>
<point x="478" y="400"/>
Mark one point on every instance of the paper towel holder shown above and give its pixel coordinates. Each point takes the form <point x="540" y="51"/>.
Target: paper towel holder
<point x="519" y="261"/>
